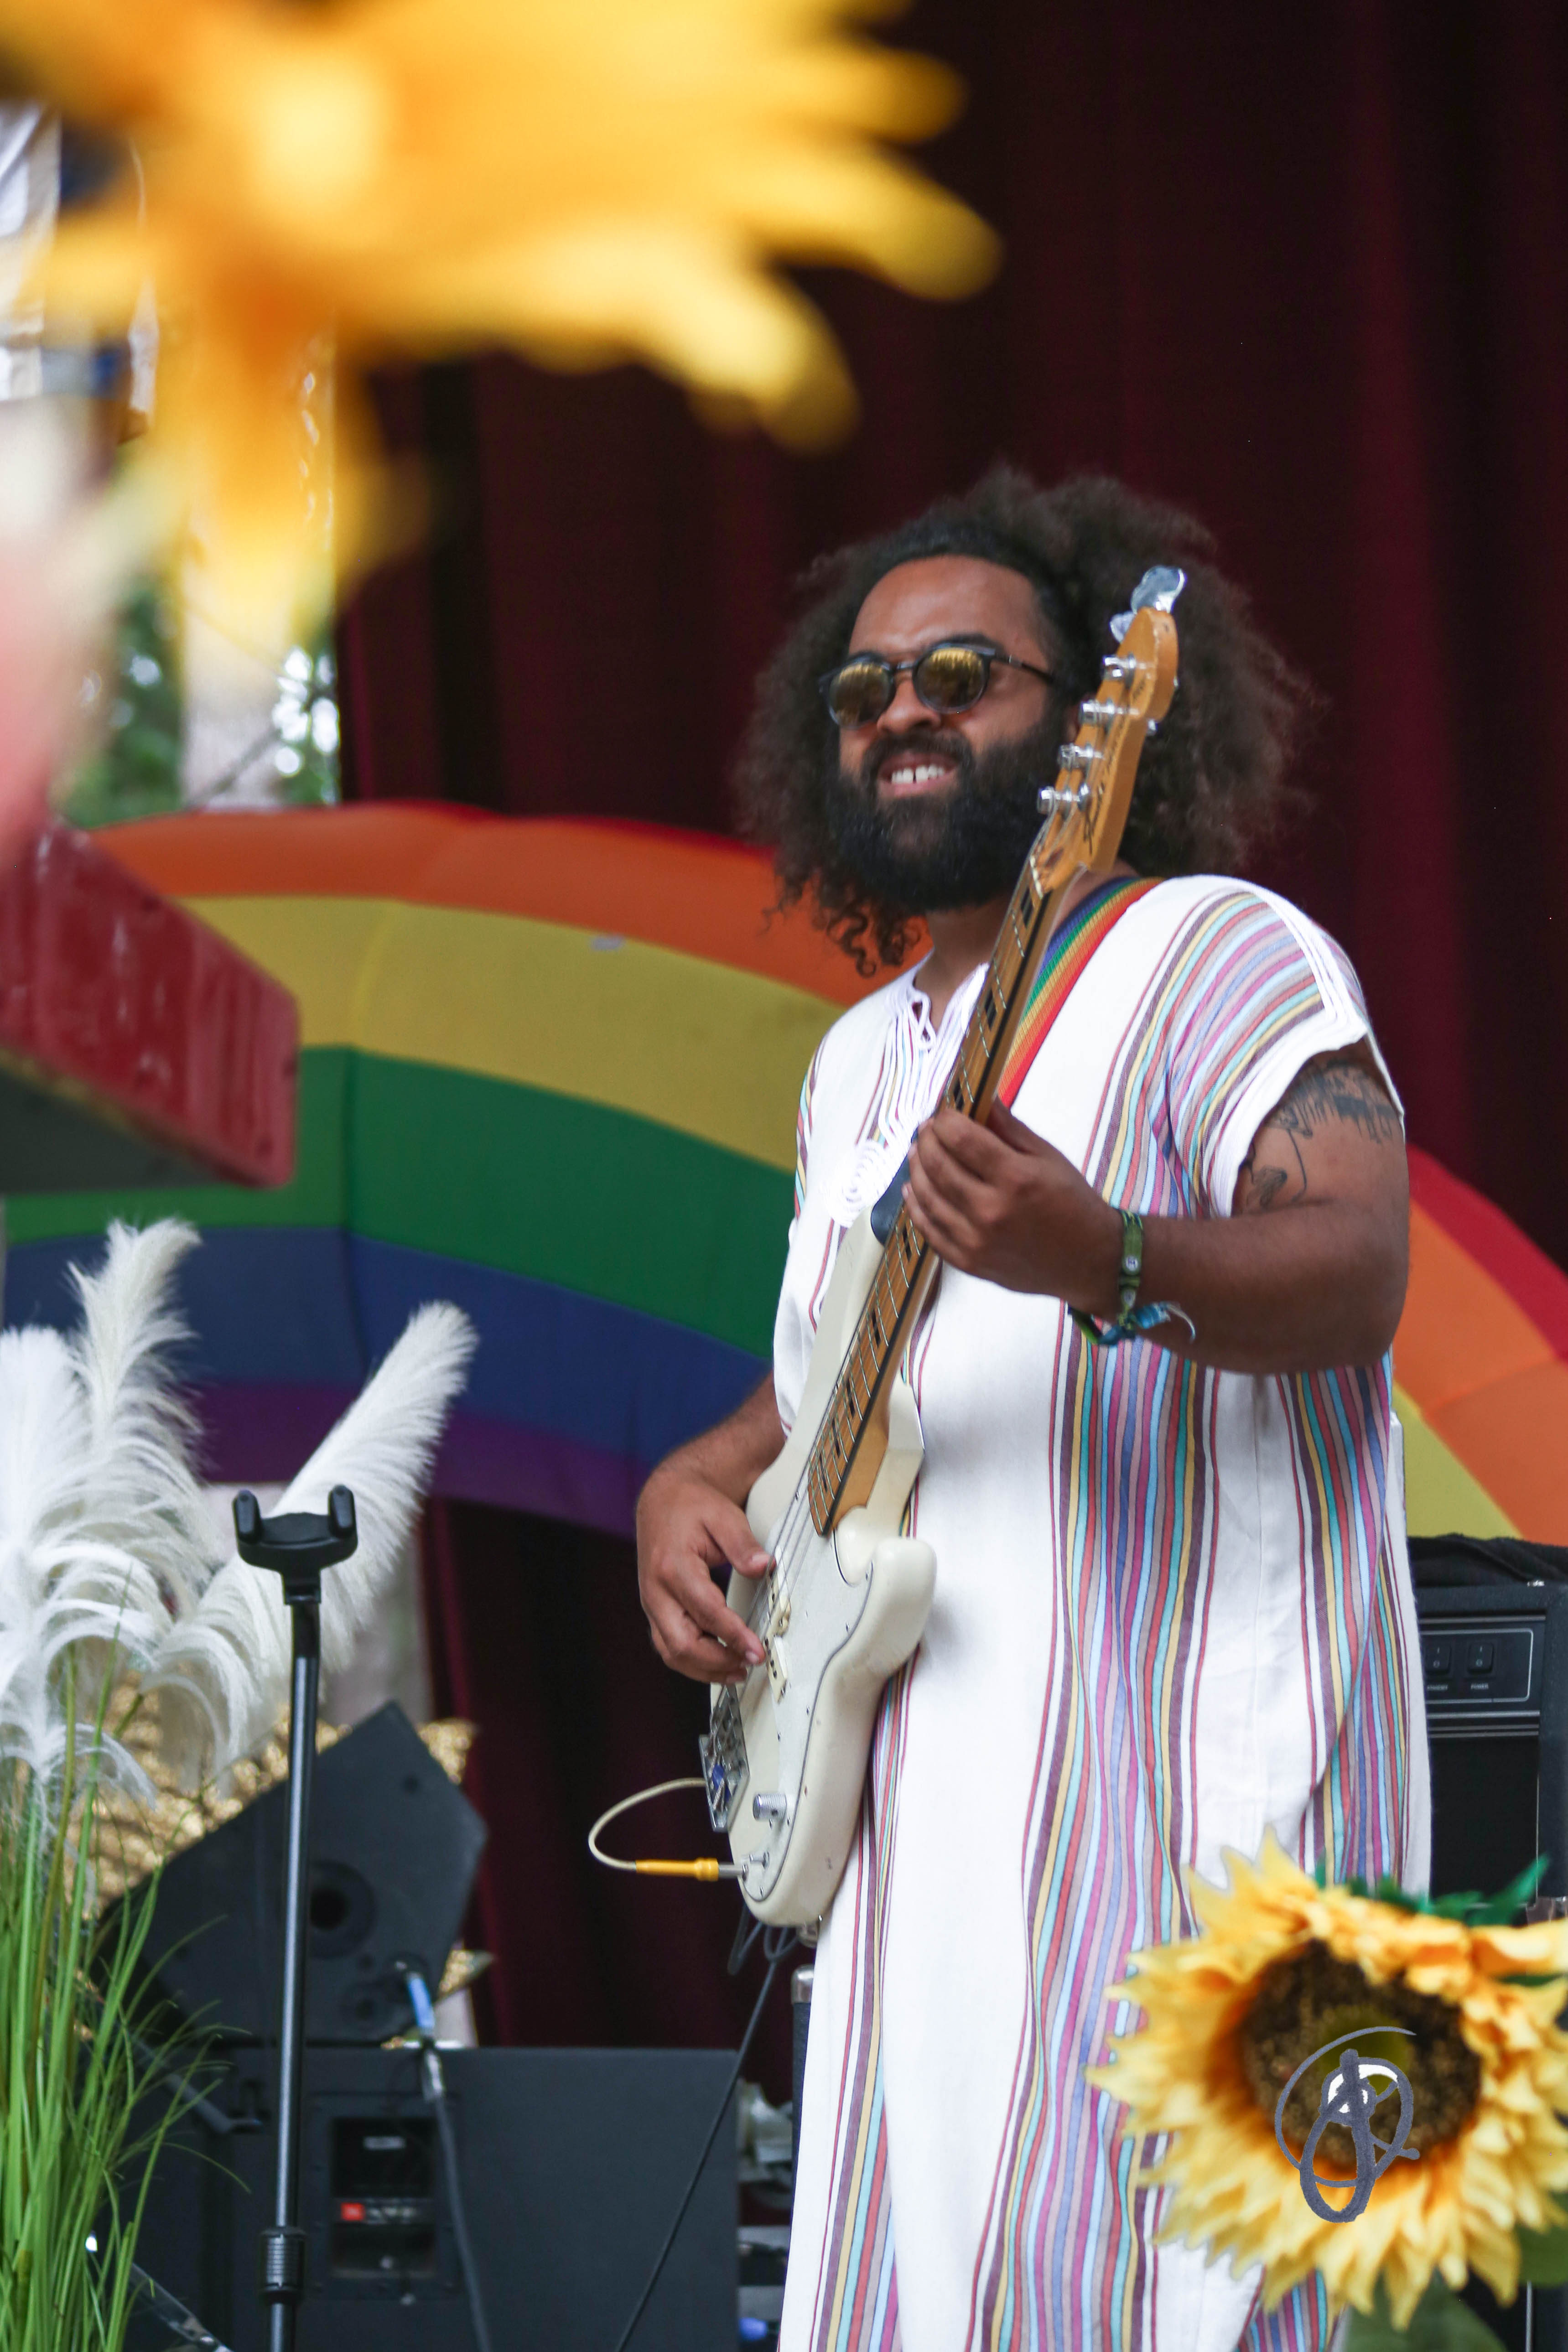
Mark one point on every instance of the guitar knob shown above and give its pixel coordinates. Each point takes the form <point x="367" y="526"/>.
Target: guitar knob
<point x="770" y="1806"/>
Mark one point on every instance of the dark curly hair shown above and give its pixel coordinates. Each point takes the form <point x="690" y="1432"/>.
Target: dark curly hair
<point x="1210" y="785"/>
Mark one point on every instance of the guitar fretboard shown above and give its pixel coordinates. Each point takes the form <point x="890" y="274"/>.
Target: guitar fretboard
<point x="883" y="1328"/>
<point x="1094" y="785"/>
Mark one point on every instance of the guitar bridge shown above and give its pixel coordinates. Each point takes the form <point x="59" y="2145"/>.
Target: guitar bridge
<point x="722" y="1748"/>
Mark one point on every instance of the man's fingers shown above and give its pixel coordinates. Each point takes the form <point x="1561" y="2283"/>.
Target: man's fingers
<point x="689" y="1651"/>
<point x="695" y="1630"/>
<point x="936" y="1209"/>
<point x="938" y="1174"/>
<point x="711" y="1614"/>
<point x="974" y="1147"/>
<point x="734" y="1542"/>
<point x="951" y="1237"/>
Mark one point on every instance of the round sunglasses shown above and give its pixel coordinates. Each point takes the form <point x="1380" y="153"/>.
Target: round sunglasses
<point x="947" y="677"/>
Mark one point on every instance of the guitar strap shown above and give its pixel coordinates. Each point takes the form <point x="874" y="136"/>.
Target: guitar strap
<point x="1072" y="944"/>
<point x="1072" y="947"/>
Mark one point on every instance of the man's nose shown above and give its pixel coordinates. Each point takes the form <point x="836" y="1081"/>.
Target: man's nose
<point x="906" y="709"/>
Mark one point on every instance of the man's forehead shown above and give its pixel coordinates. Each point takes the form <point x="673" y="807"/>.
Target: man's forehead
<point x="948" y="596"/>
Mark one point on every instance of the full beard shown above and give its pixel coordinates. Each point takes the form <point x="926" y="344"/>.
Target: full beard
<point x="959" y="848"/>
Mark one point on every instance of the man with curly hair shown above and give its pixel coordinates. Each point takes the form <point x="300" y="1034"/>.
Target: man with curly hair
<point x="1173" y="1606"/>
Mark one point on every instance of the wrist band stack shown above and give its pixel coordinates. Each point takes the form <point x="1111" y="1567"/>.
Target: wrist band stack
<point x="1132" y="1320"/>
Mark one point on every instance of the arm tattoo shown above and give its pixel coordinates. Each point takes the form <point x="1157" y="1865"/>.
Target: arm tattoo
<point x="1333" y="1087"/>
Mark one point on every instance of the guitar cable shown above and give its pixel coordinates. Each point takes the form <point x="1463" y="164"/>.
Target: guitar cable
<point x="707" y="1866"/>
<point x="435" y="2086"/>
<point x="777" y="1944"/>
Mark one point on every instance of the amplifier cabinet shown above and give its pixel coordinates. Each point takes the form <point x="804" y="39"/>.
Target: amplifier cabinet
<point x="572" y="2165"/>
<point x="1494" y="1663"/>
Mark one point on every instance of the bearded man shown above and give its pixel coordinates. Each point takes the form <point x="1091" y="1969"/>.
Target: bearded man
<point x="1173" y="1606"/>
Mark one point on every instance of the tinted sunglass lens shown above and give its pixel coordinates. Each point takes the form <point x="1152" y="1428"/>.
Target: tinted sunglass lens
<point x="951" y="677"/>
<point x="858" y="693"/>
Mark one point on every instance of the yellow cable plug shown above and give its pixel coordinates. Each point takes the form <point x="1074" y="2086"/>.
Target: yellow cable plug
<point x="707" y="1867"/>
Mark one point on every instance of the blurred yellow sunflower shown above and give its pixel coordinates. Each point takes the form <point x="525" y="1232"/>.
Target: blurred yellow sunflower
<point x="587" y="181"/>
<point x="1283" y="1968"/>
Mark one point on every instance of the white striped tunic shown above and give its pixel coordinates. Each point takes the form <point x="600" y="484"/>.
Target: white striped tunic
<point x="1173" y="1610"/>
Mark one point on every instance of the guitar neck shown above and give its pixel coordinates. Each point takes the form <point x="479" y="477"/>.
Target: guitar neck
<point x="907" y="1264"/>
<point x="1089" y="804"/>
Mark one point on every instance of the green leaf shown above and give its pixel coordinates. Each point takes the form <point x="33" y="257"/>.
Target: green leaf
<point x="1439" y="2323"/>
<point x="1474" y="1909"/>
<point x="1544" y="2257"/>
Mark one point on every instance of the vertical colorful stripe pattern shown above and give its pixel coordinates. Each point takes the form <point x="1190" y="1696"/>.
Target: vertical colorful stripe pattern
<point x="1069" y="2255"/>
<point x="857" y="2305"/>
<point x="858" y="2291"/>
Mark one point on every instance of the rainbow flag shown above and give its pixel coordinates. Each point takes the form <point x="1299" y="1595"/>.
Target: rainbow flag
<point x="1481" y="1369"/>
<point x="550" y="1070"/>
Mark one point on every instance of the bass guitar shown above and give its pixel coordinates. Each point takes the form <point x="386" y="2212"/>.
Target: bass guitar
<point x="846" y="1599"/>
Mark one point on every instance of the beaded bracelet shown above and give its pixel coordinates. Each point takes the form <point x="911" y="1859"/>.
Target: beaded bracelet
<point x="1132" y="1320"/>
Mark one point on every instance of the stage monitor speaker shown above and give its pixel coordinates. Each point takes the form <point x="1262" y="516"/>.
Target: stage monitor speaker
<point x="1494" y="1659"/>
<point x="394" y="1850"/>
<point x="571" y="2165"/>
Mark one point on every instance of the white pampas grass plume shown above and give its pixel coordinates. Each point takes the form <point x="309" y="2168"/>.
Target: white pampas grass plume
<point x="135" y="1475"/>
<point x="105" y="1561"/>
<point x="228" y="1659"/>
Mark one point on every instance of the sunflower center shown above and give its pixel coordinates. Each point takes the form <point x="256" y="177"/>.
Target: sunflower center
<point x="1310" y="1999"/>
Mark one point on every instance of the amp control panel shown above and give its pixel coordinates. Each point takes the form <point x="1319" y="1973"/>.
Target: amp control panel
<point x="1490" y="1666"/>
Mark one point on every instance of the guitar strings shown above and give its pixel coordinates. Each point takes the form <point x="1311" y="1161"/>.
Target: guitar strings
<point x="791" y="1537"/>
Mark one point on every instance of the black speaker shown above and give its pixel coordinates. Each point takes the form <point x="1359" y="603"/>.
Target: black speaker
<point x="571" y="2165"/>
<point x="394" y="1849"/>
<point x="1494" y="1661"/>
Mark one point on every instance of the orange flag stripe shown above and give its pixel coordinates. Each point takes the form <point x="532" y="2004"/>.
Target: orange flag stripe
<point x="694" y="892"/>
<point x="1482" y="1349"/>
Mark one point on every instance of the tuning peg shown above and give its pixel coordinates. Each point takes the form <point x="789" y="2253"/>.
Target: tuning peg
<point x="1158" y="588"/>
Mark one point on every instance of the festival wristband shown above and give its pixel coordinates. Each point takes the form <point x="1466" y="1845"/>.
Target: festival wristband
<point x="1132" y="1320"/>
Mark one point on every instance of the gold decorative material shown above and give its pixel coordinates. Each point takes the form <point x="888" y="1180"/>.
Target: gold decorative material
<point x="463" y="1968"/>
<point x="132" y="1839"/>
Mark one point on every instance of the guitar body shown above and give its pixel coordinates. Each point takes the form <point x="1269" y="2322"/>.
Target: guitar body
<point x="854" y="1606"/>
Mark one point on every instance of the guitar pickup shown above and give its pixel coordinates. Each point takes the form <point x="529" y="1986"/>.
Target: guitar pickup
<point x="778" y="1666"/>
<point x="778" y="1610"/>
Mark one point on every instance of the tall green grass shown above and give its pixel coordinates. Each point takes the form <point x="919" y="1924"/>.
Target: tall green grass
<point x="73" y="2069"/>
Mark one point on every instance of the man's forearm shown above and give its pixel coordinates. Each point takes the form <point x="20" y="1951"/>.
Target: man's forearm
<point x="1304" y="1289"/>
<point x="1308" y="1272"/>
<point x="732" y="1455"/>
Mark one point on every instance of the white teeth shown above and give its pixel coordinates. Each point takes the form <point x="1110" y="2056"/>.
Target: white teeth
<point x="922" y="775"/>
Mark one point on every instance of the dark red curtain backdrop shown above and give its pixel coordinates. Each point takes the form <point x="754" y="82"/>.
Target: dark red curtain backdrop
<point x="1304" y="272"/>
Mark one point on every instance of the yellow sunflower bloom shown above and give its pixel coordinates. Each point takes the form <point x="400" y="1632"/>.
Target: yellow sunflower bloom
<point x="588" y="180"/>
<point x="1283" y="1968"/>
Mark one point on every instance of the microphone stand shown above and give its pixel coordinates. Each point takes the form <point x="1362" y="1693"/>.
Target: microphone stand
<point x="299" y="1546"/>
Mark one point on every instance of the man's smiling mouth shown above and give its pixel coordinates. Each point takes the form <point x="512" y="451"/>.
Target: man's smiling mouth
<point x="903" y="779"/>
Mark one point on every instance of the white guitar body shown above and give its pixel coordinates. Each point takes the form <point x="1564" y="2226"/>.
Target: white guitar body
<point x="843" y="1611"/>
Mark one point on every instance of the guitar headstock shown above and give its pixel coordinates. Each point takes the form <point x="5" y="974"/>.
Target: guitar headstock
<point x="1086" y="809"/>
